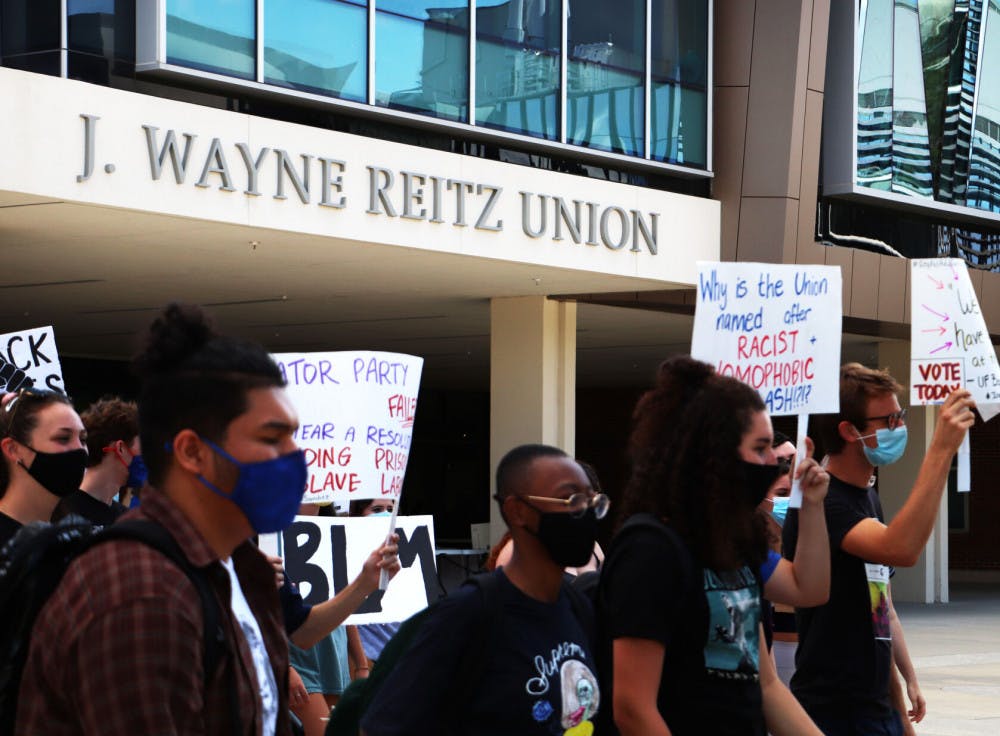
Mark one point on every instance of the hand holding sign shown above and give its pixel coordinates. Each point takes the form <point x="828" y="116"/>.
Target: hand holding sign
<point x="381" y="563"/>
<point x="811" y="476"/>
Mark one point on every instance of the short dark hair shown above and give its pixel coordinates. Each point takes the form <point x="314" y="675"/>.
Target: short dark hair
<point x="108" y="420"/>
<point x="19" y="417"/>
<point x="780" y="438"/>
<point x="512" y="468"/>
<point x="193" y="378"/>
<point x="858" y="384"/>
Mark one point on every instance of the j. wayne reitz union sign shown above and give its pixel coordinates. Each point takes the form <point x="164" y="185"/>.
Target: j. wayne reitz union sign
<point x="409" y="195"/>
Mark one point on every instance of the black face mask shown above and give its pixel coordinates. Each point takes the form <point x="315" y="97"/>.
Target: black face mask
<point x="758" y="479"/>
<point x="60" y="473"/>
<point x="568" y="540"/>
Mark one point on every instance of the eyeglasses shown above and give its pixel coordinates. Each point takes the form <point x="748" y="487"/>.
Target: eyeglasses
<point x="578" y="503"/>
<point x="892" y="421"/>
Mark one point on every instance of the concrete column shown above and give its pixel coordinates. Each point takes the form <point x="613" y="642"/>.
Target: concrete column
<point x="532" y="379"/>
<point x="927" y="581"/>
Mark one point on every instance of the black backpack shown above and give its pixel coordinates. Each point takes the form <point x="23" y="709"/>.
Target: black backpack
<point x="31" y="567"/>
<point x="345" y="719"/>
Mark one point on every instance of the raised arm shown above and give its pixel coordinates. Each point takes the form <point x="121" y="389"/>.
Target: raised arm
<point x="328" y="615"/>
<point x="901" y="541"/>
<point x="806" y="581"/>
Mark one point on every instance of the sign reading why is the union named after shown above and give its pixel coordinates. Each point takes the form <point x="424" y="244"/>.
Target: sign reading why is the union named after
<point x="774" y="327"/>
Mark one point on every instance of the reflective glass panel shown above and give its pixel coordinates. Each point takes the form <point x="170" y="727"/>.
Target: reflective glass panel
<point x="605" y="75"/>
<point x="875" y="97"/>
<point x="911" y="160"/>
<point x="317" y="46"/>
<point x="517" y="66"/>
<point x="984" y="162"/>
<point x="214" y="35"/>
<point x="422" y="56"/>
<point x="29" y="26"/>
<point x="103" y="27"/>
<point x="679" y="77"/>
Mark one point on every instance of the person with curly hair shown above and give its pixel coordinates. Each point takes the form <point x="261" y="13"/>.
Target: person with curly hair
<point x="681" y="588"/>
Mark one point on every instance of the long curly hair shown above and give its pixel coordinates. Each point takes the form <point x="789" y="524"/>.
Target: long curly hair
<point x="686" y="466"/>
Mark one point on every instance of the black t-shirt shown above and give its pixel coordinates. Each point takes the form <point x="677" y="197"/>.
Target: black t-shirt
<point x="92" y="509"/>
<point x="845" y="646"/>
<point x="708" y="622"/>
<point x="539" y="679"/>
<point x="8" y="528"/>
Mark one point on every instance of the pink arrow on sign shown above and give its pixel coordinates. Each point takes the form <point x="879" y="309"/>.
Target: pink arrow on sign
<point x="940" y="284"/>
<point x="939" y="329"/>
<point x="945" y="317"/>
<point x="946" y="346"/>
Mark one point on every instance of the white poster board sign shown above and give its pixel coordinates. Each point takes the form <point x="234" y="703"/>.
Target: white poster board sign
<point x="322" y="555"/>
<point x="29" y="358"/>
<point x="356" y="411"/>
<point x="950" y="346"/>
<point x="776" y="327"/>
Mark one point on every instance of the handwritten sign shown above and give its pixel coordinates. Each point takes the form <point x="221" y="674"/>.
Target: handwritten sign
<point x="774" y="327"/>
<point x="950" y="346"/>
<point x="29" y="358"/>
<point x="356" y="413"/>
<point x="322" y="555"/>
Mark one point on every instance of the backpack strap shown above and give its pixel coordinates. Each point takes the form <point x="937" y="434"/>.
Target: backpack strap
<point x="582" y="605"/>
<point x="154" y="535"/>
<point x="472" y="664"/>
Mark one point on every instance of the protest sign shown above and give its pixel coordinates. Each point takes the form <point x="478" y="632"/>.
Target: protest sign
<point x="322" y="555"/>
<point x="356" y="412"/>
<point x="950" y="346"/>
<point x="775" y="327"/>
<point x="29" y="358"/>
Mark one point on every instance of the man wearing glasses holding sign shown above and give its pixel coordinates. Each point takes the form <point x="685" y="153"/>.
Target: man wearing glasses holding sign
<point x="534" y="671"/>
<point x="846" y="647"/>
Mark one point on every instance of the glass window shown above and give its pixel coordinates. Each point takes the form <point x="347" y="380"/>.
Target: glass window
<point x="911" y="159"/>
<point x="875" y="97"/>
<point x="984" y="163"/>
<point x="517" y="66"/>
<point x="422" y="56"/>
<point x="679" y="79"/>
<point x="104" y="28"/>
<point x="214" y="35"/>
<point x="605" y="75"/>
<point x="29" y="26"/>
<point x="317" y="46"/>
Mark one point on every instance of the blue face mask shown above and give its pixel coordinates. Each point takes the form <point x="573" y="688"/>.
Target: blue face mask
<point x="891" y="446"/>
<point x="780" y="510"/>
<point x="267" y="492"/>
<point x="381" y="513"/>
<point x="137" y="472"/>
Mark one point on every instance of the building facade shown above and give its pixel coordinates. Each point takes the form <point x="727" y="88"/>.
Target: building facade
<point x="517" y="190"/>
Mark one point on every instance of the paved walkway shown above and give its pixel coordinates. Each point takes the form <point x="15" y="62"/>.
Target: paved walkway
<point x="956" y="651"/>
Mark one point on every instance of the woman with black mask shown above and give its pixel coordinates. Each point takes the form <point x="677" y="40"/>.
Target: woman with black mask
<point x="44" y="456"/>
<point x="681" y="586"/>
